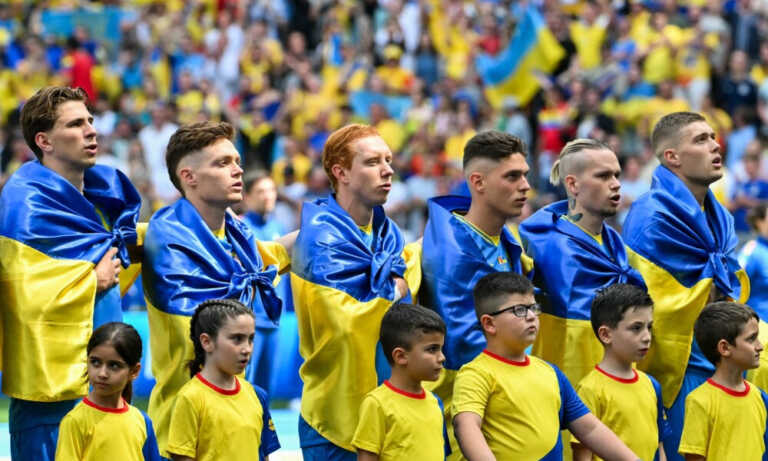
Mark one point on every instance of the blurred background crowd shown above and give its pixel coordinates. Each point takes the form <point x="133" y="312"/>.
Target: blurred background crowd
<point x="428" y="74"/>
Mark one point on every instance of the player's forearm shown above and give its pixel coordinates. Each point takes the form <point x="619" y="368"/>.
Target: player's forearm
<point x="601" y="440"/>
<point x="581" y="453"/>
<point x="363" y="455"/>
<point x="470" y="437"/>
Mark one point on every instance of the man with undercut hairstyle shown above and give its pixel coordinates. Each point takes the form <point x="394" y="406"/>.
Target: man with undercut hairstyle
<point x="465" y="239"/>
<point x="195" y="250"/>
<point x="575" y="254"/>
<point x="682" y="241"/>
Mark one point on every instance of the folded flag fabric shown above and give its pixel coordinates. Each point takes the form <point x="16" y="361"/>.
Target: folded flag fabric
<point x="342" y="287"/>
<point x="51" y="238"/>
<point x="570" y="267"/>
<point x="682" y="252"/>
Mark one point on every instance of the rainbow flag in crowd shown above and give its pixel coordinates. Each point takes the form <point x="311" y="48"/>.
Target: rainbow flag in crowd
<point x="513" y="72"/>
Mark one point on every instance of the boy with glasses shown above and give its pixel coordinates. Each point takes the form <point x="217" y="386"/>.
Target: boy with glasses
<point x="507" y="405"/>
<point x="626" y="400"/>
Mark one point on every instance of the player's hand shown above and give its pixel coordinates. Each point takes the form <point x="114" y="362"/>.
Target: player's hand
<point x="402" y="287"/>
<point x="108" y="270"/>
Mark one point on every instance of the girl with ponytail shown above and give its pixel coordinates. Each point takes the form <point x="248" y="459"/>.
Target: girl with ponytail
<point x="104" y="425"/>
<point x="217" y="414"/>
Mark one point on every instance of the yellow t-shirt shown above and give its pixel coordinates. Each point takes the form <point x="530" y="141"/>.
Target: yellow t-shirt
<point x="519" y="402"/>
<point x="629" y="407"/>
<point x="659" y="63"/>
<point x="588" y="41"/>
<point x="722" y="424"/>
<point x="399" y="425"/>
<point x="211" y="423"/>
<point x="93" y="433"/>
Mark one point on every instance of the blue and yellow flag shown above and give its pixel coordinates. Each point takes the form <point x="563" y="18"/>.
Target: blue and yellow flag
<point x="454" y="258"/>
<point x="683" y="252"/>
<point x="513" y="72"/>
<point x="51" y="238"/>
<point x="342" y="287"/>
<point x="184" y="265"/>
<point x="570" y="266"/>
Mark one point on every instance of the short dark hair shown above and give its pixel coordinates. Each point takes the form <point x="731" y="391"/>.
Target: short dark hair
<point x="669" y="127"/>
<point x="191" y="138"/>
<point x="493" y="145"/>
<point x="720" y="320"/>
<point x="490" y="290"/>
<point x="612" y="302"/>
<point x="41" y="111"/>
<point x="403" y="323"/>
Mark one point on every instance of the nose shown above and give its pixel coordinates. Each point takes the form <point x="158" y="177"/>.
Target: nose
<point x="237" y="170"/>
<point x="524" y="184"/>
<point x="90" y="131"/>
<point x="759" y="346"/>
<point x="441" y="357"/>
<point x="387" y="170"/>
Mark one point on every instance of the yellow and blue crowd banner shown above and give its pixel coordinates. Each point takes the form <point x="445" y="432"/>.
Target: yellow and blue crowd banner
<point x="532" y="53"/>
<point x="51" y="238"/>
<point x="184" y="265"/>
<point x="342" y="283"/>
<point x="683" y="251"/>
<point x="570" y="267"/>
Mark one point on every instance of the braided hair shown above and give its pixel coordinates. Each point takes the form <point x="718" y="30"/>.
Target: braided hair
<point x="209" y="317"/>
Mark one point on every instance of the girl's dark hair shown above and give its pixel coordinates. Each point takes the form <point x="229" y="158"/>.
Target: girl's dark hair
<point x="209" y="317"/>
<point x="126" y="341"/>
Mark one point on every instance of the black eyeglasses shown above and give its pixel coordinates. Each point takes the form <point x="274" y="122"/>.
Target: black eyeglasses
<point x="520" y="310"/>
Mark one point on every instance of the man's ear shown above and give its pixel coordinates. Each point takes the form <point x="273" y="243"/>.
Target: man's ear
<point x="487" y="322"/>
<point x="340" y="173"/>
<point x="724" y="348"/>
<point x="670" y="158"/>
<point x="604" y="334"/>
<point x="187" y="176"/>
<point x="207" y="342"/>
<point x="476" y="181"/>
<point x="135" y="371"/>
<point x="571" y="188"/>
<point x="43" y="141"/>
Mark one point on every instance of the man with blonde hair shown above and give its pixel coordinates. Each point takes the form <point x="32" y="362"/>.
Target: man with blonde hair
<point x="349" y="266"/>
<point x="575" y="254"/>
<point x="683" y="243"/>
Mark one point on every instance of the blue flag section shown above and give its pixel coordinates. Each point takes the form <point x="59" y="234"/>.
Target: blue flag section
<point x="570" y="267"/>
<point x="683" y="251"/>
<point x="51" y="238"/>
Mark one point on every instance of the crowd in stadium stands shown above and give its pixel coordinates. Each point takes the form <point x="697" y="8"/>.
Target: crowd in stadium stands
<point x="287" y="73"/>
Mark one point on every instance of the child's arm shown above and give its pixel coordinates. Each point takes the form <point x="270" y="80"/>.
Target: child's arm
<point x="582" y="453"/>
<point x="467" y="426"/>
<point x="662" y="453"/>
<point x="601" y="440"/>
<point x="690" y="457"/>
<point x="363" y="455"/>
<point x="181" y="458"/>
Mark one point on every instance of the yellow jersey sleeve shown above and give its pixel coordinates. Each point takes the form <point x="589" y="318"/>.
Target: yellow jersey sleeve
<point x="696" y="429"/>
<point x="471" y="392"/>
<point x="371" y="428"/>
<point x="185" y="425"/>
<point x="71" y="444"/>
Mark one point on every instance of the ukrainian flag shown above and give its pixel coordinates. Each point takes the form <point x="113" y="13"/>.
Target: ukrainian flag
<point x="570" y="267"/>
<point x="51" y="238"/>
<point x="184" y="265"/>
<point x="532" y="50"/>
<point x="683" y="252"/>
<point x="342" y="287"/>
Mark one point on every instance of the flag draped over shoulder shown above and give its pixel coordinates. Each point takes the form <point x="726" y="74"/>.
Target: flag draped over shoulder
<point x="682" y="252"/>
<point x="342" y="287"/>
<point x="533" y="49"/>
<point x="51" y="238"/>
<point x="570" y="267"/>
<point x="452" y="264"/>
<point x="184" y="265"/>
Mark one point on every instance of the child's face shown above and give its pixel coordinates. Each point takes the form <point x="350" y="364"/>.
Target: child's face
<point x="507" y="329"/>
<point x="630" y="340"/>
<point x="424" y="360"/>
<point x="231" y="350"/>
<point x="107" y="371"/>
<point x="745" y="352"/>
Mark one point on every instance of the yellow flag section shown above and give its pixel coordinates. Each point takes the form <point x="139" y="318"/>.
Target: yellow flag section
<point x="45" y="326"/>
<point x="338" y="335"/>
<point x="676" y="309"/>
<point x="533" y="52"/>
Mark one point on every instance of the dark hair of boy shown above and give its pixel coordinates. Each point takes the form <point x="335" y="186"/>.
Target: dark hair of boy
<point x="402" y="325"/>
<point x="720" y="320"/>
<point x="493" y="145"/>
<point x="611" y="303"/>
<point x="491" y="290"/>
